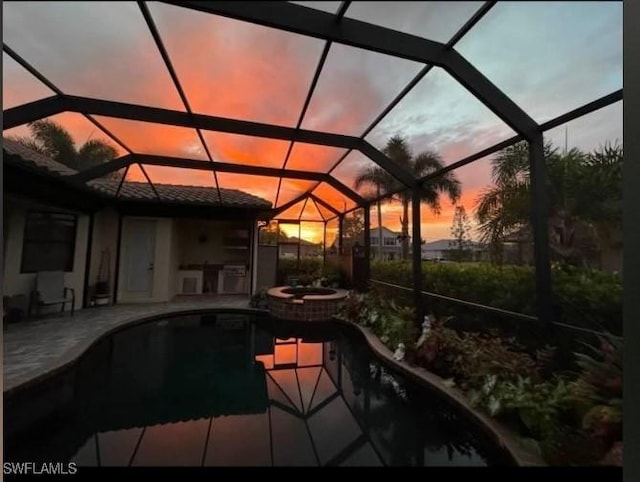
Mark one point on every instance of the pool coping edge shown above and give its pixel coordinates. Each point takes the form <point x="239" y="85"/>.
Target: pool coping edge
<point x="504" y="437"/>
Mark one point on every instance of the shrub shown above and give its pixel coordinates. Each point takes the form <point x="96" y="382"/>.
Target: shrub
<point x="585" y="298"/>
<point x="470" y="357"/>
<point x="391" y="323"/>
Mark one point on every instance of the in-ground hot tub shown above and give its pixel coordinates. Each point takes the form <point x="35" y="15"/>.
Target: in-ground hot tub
<point x="304" y="304"/>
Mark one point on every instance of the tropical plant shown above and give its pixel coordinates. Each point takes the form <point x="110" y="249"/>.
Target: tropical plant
<point x="52" y="140"/>
<point x="470" y="357"/>
<point x="426" y="162"/>
<point x="538" y="405"/>
<point x="392" y="323"/>
<point x="579" y="222"/>
<point x="598" y="389"/>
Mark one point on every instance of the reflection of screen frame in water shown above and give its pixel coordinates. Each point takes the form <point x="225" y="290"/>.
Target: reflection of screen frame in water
<point x="304" y="403"/>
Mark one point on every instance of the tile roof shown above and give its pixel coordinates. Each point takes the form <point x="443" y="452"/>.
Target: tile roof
<point x="141" y="190"/>
<point x="35" y="158"/>
<point x="181" y="194"/>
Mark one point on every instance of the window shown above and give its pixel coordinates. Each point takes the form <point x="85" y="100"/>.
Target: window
<point x="389" y="241"/>
<point x="374" y="241"/>
<point x="49" y="242"/>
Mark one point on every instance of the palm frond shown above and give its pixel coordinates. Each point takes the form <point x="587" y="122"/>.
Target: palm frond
<point x="95" y="152"/>
<point x="55" y="140"/>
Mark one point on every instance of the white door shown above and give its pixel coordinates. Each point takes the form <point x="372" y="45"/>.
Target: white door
<point x="140" y="237"/>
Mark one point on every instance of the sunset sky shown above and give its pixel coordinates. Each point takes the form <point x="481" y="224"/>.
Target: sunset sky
<point x="548" y="57"/>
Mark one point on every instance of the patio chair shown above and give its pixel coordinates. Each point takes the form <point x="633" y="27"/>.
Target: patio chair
<point x="50" y="290"/>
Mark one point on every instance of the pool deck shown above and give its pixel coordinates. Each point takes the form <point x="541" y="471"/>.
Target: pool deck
<point x="33" y="349"/>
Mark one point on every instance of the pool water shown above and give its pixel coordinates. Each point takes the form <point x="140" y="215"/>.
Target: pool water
<point x="243" y="389"/>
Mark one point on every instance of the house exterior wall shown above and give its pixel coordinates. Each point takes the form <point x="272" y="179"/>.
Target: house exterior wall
<point x="105" y="236"/>
<point x="174" y="260"/>
<point x="432" y="254"/>
<point x="17" y="283"/>
<point x="255" y="242"/>
<point x="391" y="245"/>
<point x="266" y="267"/>
<point x="196" y="250"/>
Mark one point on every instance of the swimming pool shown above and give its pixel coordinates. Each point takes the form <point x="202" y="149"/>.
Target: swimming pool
<point x="241" y="389"/>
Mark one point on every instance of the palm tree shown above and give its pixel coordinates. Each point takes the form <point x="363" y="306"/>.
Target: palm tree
<point x="54" y="141"/>
<point x="379" y="178"/>
<point x="579" y="220"/>
<point x="426" y="162"/>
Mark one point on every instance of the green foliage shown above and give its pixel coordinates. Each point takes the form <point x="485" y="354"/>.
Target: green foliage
<point x="598" y="390"/>
<point x="54" y="141"/>
<point x="583" y="297"/>
<point x="538" y="405"/>
<point x="579" y="222"/>
<point x="391" y="323"/>
<point x="309" y="269"/>
<point x="470" y="357"/>
<point x="602" y="370"/>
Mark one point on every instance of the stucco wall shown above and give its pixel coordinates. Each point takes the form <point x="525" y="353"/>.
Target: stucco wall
<point x="193" y="249"/>
<point x="174" y="259"/>
<point x="105" y="236"/>
<point x="254" y="259"/>
<point x="15" y="282"/>
<point x="202" y="241"/>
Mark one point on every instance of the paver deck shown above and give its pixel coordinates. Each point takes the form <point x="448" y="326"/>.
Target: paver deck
<point x="34" y="348"/>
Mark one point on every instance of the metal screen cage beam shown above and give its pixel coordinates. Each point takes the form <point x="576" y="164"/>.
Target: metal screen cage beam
<point x="57" y="104"/>
<point x="176" y="81"/>
<point x="33" y="71"/>
<point x="331" y="28"/>
<point x="355" y="33"/>
<point x="481" y="12"/>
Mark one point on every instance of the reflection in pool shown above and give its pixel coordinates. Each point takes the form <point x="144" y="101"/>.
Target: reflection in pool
<point x="232" y="389"/>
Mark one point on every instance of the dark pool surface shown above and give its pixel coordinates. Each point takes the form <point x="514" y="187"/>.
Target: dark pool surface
<point x="233" y="389"/>
<point x="299" y="292"/>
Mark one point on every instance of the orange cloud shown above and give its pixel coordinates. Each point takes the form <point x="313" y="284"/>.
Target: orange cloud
<point x="312" y="157"/>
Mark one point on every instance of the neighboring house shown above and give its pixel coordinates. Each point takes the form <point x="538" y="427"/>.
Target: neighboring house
<point x="184" y="240"/>
<point x="289" y="248"/>
<point x="391" y="244"/>
<point x="444" y="249"/>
